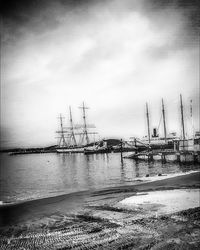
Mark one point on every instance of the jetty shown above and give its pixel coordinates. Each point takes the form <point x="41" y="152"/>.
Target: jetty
<point x="167" y="156"/>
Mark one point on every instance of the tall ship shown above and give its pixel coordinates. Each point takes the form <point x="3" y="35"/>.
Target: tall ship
<point x="68" y="141"/>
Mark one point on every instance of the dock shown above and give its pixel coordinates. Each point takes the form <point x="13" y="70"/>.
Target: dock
<point x="167" y="156"/>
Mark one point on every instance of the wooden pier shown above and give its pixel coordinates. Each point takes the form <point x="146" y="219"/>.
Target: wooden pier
<point x="168" y="156"/>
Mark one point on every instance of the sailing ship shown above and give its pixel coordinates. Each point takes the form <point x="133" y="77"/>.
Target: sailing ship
<point x="155" y="141"/>
<point x="191" y="144"/>
<point x="67" y="136"/>
<point x="169" y="141"/>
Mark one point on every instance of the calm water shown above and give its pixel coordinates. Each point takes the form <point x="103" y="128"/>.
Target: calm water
<point x="41" y="175"/>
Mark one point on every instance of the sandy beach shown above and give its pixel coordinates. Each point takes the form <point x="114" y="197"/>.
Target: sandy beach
<point x="127" y="217"/>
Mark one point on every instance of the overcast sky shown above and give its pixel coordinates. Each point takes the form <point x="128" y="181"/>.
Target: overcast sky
<point x="114" y="55"/>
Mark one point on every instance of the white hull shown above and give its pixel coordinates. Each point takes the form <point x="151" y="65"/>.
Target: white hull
<point x="70" y="150"/>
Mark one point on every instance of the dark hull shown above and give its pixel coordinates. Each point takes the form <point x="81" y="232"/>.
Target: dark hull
<point x="154" y="146"/>
<point x="118" y="150"/>
<point x="97" y="151"/>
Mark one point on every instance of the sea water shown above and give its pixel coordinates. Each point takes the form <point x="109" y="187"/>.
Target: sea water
<point x="33" y="176"/>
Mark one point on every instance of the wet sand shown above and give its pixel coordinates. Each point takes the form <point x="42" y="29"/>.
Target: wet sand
<point x="163" y="202"/>
<point x="94" y="219"/>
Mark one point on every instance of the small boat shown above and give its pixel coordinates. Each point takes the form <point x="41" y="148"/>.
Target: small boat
<point x="97" y="149"/>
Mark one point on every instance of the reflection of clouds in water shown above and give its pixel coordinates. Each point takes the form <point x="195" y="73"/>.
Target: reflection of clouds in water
<point x="68" y="164"/>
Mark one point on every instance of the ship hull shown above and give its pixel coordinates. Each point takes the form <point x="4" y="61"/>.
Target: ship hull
<point x="97" y="151"/>
<point x="70" y="150"/>
<point x="118" y="150"/>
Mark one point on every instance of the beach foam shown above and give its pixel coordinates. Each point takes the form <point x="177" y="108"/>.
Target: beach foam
<point x="164" y="176"/>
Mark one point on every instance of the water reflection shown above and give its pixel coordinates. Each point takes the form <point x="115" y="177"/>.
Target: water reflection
<point x="122" y="171"/>
<point x="28" y="176"/>
<point x="87" y="173"/>
<point x="136" y="169"/>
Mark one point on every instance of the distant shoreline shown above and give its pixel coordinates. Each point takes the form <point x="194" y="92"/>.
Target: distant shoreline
<point x="18" y="149"/>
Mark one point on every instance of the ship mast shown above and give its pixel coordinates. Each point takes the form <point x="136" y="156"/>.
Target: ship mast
<point x="62" y="141"/>
<point x="182" y="118"/>
<point x="72" y="135"/>
<point x="85" y="132"/>
<point x="147" y="113"/>
<point x="191" y="115"/>
<point x="164" y="123"/>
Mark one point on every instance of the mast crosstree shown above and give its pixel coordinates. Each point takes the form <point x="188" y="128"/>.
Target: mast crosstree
<point x="72" y="138"/>
<point x="85" y="126"/>
<point x="67" y="135"/>
<point x="62" y="141"/>
<point x="85" y="132"/>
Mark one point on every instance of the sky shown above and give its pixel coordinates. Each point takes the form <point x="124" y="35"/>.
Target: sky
<point x="113" y="55"/>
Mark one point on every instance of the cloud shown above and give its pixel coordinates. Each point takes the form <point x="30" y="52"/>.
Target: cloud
<point x="114" y="55"/>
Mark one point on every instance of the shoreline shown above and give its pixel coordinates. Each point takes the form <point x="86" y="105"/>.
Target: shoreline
<point x="95" y="219"/>
<point x="139" y="181"/>
<point x="34" y="209"/>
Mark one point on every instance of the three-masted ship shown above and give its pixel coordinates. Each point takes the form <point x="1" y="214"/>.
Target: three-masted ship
<point x="68" y="142"/>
